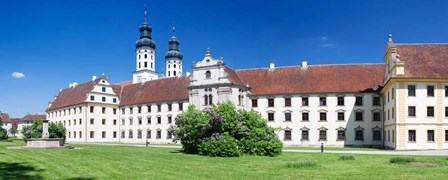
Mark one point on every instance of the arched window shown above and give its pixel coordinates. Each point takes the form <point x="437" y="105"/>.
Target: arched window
<point x="146" y="64"/>
<point x="169" y="74"/>
<point x="174" y="73"/>
<point x="168" y="66"/>
<point x="210" y="99"/>
<point x="146" y="56"/>
<point x="208" y="75"/>
<point x="139" y="65"/>
<point x="139" y="56"/>
<point x="174" y="65"/>
<point x="206" y="100"/>
<point x="151" y="65"/>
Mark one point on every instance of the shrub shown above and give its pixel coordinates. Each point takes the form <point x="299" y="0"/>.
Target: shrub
<point x="346" y="157"/>
<point x="302" y="164"/>
<point x="223" y="128"/>
<point x="55" y="130"/>
<point x="401" y="160"/>
<point x="3" y="134"/>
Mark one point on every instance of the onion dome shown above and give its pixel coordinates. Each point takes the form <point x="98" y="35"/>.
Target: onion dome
<point x="173" y="51"/>
<point x="145" y="36"/>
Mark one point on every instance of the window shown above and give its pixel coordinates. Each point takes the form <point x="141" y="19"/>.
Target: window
<point x="270" y="116"/>
<point x="146" y="56"/>
<point x="446" y="135"/>
<point x="341" y="116"/>
<point x="208" y="75"/>
<point x="92" y="134"/>
<point x="305" y="135"/>
<point x="170" y="120"/>
<point x="359" y="135"/>
<point x="159" y="120"/>
<point x="287" y="136"/>
<point x="358" y="101"/>
<point x="114" y="100"/>
<point x="305" y="116"/>
<point x="376" y="135"/>
<point x="80" y="134"/>
<point x="69" y="133"/>
<point x="430" y="135"/>
<point x="103" y="89"/>
<point x="181" y="107"/>
<point x="430" y="111"/>
<point x="393" y="92"/>
<point x="170" y="107"/>
<point x="74" y="134"/>
<point x="270" y="102"/>
<point x="430" y="91"/>
<point x="323" y="116"/>
<point x="341" y="135"/>
<point x="115" y="122"/>
<point x="139" y="109"/>
<point x="139" y="134"/>
<point x="376" y="116"/>
<point x="322" y="101"/>
<point x="446" y="111"/>
<point x="322" y="135"/>
<point x="388" y="136"/>
<point x="92" y="98"/>
<point x="340" y="101"/>
<point x="131" y="110"/>
<point x="103" y="110"/>
<point x="103" y="99"/>
<point x="122" y="134"/>
<point x="411" y="135"/>
<point x="288" y="116"/>
<point x="411" y="111"/>
<point x="358" y="116"/>
<point x="254" y="102"/>
<point x="208" y="100"/>
<point x="287" y="102"/>
<point x="446" y="91"/>
<point x="411" y="90"/>
<point x="149" y="108"/>
<point x="159" y="107"/>
<point x="103" y="121"/>
<point x="148" y="119"/>
<point x="304" y="101"/>
<point x="376" y="101"/>
<point x="148" y="134"/>
<point x="159" y="134"/>
<point x="122" y="111"/>
<point x="131" y="135"/>
<point x="139" y="121"/>
<point x="92" y="109"/>
<point x="115" y="134"/>
<point x="122" y="122"/>
<point x="80" y="121"/>
<point x="169" y="135"/>
<point x="103" y="134"/>
<point x="91" y="120"/>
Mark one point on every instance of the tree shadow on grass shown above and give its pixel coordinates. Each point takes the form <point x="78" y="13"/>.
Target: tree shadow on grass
<point x="81" y="178"/>
<point x="18" y="171"/>
<point x="178" y="151"/>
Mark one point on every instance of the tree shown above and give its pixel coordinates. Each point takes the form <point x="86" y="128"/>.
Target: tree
<point x="55" y="130"/>
<point x="225" y="131"/>
<point x="3" y="132"/>
<point x="13" y="131"/>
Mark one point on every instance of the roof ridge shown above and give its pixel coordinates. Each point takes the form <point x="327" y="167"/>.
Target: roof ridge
<point x="421" y="43"/>
<point x="353" y="64"/>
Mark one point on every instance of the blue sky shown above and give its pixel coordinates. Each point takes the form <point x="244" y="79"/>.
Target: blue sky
<point x="53" y="43"/>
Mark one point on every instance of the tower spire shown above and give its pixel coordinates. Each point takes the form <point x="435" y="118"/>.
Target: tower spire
<point x="145" y="13"/>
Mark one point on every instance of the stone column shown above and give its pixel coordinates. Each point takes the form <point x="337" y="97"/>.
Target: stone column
<point x="45" y="134"/>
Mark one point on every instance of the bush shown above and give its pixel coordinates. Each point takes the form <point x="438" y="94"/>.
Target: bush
<point x="401" y="160"/>
<point x="346" y="157"/>
<point x="55" y="130"/>
<point x="302" y="164"/>
<point x="3" y="134"/>
<point x="224" y="131"/>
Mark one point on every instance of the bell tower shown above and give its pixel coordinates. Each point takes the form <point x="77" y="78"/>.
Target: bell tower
<point x="173" y="58"/>
<point x="145" y="50"/>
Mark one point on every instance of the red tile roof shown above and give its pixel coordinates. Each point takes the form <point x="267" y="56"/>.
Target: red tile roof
<point x="33" y="117"/>
<point x="5" y="117"/>
<point x="314" y="79"/>
<point x="124" y="83"/>
<point x="73" y="95"/>
<point x="15" y="121"/>
<point x="233" y="76"/>
<point x="161" y="90"/>
<point x="424" y="60"/>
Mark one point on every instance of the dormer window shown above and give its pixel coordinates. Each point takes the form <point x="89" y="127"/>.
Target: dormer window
<point x="208" y="75"/>
<point x="103" y="89"/>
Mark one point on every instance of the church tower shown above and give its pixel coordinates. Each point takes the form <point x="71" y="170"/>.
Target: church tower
<point x="145" y="49"/>
<point x="173" y="58"/>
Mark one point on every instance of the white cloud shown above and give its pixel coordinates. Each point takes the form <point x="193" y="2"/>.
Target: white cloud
<point x="18" y="75"/>
<point x="327" y="45"/>
<point x="323" y="38"/>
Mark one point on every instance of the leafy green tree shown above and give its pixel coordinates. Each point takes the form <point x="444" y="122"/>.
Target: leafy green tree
<point x="55" y="130"/>
<point x="224" y="131"/>
<point x="3" y="132"/>
<point x="13" y="131"/>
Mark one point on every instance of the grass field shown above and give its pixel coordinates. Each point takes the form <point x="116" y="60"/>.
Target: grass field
<point x="120" y="162"/>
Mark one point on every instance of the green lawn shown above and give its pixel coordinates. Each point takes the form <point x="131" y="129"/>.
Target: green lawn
<point x="124" y="162"/>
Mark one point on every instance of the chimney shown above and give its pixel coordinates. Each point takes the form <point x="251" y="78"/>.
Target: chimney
<point x="271" y="65"/>
<point x="93" y="78"/>
<point x="304" y="63"/>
